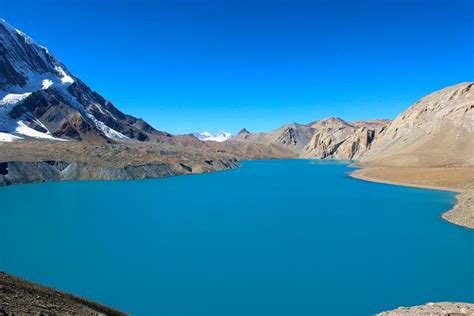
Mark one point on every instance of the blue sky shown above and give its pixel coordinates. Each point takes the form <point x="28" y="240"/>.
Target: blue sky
<point x="189" y="65"/>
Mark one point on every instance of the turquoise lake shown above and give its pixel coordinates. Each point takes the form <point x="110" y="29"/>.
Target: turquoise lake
<point x="280" y="237"/>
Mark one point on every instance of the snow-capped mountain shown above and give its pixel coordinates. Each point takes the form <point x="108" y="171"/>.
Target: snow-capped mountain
<point x="218" y="137"/>
<point x="40" y="98"/>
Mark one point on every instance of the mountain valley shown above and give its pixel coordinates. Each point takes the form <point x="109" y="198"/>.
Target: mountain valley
<point x="54" y="127"/>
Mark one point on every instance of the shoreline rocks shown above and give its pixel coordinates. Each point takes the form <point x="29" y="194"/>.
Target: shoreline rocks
<point x="20" y="172"/>
<point x="441" y="308"/>
<point x="21" y="297"/>
<point x="462" y="214"/>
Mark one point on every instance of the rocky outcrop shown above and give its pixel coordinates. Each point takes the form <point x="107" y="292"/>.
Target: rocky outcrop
<point x="442" y="308"/>
<point x="292" y="137"/>
<point x="462" y="213"/>
<point x="435" y="131"/>
<point x="21" y="297"/>
<point x="336" y="139"/>
<point x="243" y="133"/>
<point x="18" y="172"/>
<point x="331" y="138"/>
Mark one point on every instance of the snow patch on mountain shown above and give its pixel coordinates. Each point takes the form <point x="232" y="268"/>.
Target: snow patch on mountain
<point x="13" y="98"/>
<point x="218" y="137"/>
<point x="7" y="138"/>
<point x="10" y="129"/>
<point x="109" y="132"/>
<point x="23" y="129"/>
<point x="65" y="78"/>
<point x="46" y="84"/>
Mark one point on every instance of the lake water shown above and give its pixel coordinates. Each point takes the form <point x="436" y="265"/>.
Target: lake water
<point x="282" y="237"/>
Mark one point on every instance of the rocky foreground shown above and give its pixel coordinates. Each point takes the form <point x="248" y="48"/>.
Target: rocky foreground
<point x="442" y="308"/>
<point x="21" y="297"/>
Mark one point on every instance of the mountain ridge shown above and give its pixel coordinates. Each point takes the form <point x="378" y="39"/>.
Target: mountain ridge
<point x="40" y="98"/>
<point x="305" y="140"/>
<point x="436" y="130"/>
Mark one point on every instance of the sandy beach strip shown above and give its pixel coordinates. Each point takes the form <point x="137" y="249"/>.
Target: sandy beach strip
<point x="454" y="179"/>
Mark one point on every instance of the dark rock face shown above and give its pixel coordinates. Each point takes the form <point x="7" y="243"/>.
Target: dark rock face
<point x="289" y="137"/>
<point x="337" y="139"/>
<point x="243" y="131"/>
<point x="107" y="113"/>
<point x="55" y="113"/>
<point x="19" y="172"/>
<point x="8" y="75"/>
<point x="3" y="168"/>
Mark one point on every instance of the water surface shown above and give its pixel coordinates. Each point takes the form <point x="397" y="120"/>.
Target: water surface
<point x="282" y="237"/>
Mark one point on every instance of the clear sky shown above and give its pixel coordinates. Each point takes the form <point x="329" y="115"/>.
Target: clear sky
<point x="194" y="65"/>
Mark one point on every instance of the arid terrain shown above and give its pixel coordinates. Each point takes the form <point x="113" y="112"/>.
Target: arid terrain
<point x="457" y="179"/>
<point x="44" y="160"/>
<point x="21" y="297"/>
<point x="442" y="308"/>
<point x="442" y="178"/>
<point x="430" y="145"/>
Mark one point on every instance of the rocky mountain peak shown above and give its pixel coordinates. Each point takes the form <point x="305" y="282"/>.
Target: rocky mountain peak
<point x="243" y="131"/>
<point x="25" y="65"/>
<point x="330" y="122"/>
<point x="337" y="139"/>
<point x="40" y="98"/>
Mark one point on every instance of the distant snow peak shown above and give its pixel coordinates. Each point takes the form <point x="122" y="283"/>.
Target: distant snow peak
<point x="218" y="137"/>
<point x="202" y="135"/>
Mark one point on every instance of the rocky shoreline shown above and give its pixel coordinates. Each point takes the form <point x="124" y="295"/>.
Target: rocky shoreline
<point x="441" y="308"/>
<point x="462" y="213"/>
<point x="39" y="161"/>
<point x="19" y="172"/>
<point x="21" y="297"/>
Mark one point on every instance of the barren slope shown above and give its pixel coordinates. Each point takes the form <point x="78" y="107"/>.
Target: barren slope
<point x="21" y="297"/>
<point x="436" y="131"/>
